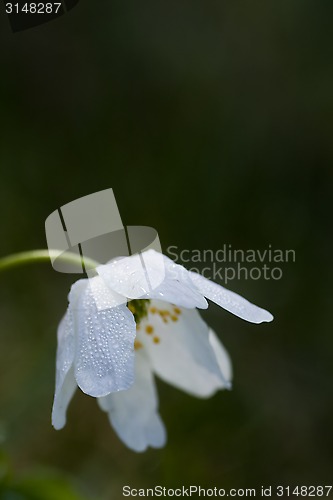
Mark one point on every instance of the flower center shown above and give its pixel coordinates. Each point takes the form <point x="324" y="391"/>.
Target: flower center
<point x="166" y="315"/>
<point x="139" y="309"/>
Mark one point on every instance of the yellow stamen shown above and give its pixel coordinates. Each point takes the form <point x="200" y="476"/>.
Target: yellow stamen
<point x="156" y="340"/>
<point x="164" y="313"/>
<point x="149" y="329"/>
<point x="177" y="310"/>
<point x="153" y="310"/>
<point x="174" y="318"/>
<point x="137" y="344"/>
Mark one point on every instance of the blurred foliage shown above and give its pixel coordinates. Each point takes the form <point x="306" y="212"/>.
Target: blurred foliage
<point x="212" y="122"/>
<point x="36" y="485"/>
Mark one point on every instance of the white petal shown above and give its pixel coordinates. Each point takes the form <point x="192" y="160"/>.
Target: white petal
<point x="180" y="351"/>
<point x="222" y="356"/>
<point x="177" y="287"/>
<point x="65" y="381"/>
<point x="133" y="413"/>
<point x="104" y="360"/>
<point x="126" y="276"/>
<point x="179" y="292"/>
<point x="230" y="301"/>
<point x="152" y="275"/>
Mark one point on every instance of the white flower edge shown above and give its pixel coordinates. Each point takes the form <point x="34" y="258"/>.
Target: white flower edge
<point x="134" y="413"/>
<point x="95" y="347"/>
<point x="231" y="301"/>
<point x="131" y="276"/>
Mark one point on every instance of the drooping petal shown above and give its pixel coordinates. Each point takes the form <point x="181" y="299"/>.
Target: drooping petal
<point x="65" y="381"/>
<point x="105" y="332"/>
<point x="133" y="413"/>
<point x="230" y="301"/>
<point x="152" y="275"/>
<point x="178" y="292"/>
<point x="178" y="345"/>
<point x="222" y="357"/>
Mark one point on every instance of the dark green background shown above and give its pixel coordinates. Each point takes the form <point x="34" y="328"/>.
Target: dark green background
<point x="212" y="122"/>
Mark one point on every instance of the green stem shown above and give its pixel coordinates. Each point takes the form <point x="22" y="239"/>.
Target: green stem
<point x="22" y="258"/>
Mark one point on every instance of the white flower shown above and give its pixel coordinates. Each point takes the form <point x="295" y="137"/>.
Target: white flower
<point x="102" y="350"/>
